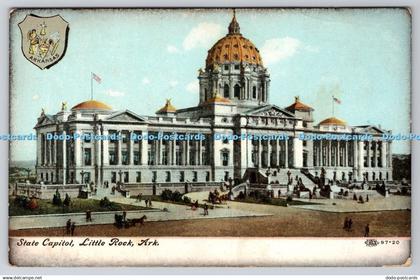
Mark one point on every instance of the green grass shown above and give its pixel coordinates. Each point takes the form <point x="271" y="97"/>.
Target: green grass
<point x="274" y="201"/>
<point x="159" y="199"/>
<point x="77" y="206"/>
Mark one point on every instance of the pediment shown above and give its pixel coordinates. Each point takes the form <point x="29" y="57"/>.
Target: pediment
<point x="45" y="120"/>
<point x="370" y="129"/>
<point x="270" y="111"/>
<point x="125" y="116"/>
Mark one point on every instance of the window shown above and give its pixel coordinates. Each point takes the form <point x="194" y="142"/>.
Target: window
<point x="112" y="158"/>
<point x="87" y="138"/>
<point x="225" y="158"/>
<point x="88" y="156"/>
<point x="150" y="158"/>
<point x="124" y="136"/>
<point x="46" y="176"/>
<point x="195" y="176"/>
<point x="236" y="67"/>
<point x="138" y="176"/>
<point x="207" y="176"/>
<point x="154" y="176"/>
<point x="168" y="176"/>
<point x="205" y="94"/>
<point x="181" y="176"/>
<point x="124" y="157"/>
<point x="136" y="157"/>
<point x="113" y="136"/>
<point x="113" y="177"/>
<point x="254" y="92"/>
<point x="165" y="160"/>
<point x="237" y="91"/>
<point x="226" y="66"/>
<point x="226" y="91"/>
<point x="126" y="178"/>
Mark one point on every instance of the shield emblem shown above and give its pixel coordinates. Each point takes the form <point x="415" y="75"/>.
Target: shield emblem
<point x="44" y="39"/>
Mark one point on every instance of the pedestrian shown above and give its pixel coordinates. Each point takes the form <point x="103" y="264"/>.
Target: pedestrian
<point x="350" y="223"/>
<point x="124" y="215"/>
<point x="354" y="197"/>
<point x="346" y="223"/>
<point x="367" y="198"/>
<point x="206" y="209"/>
<point x="73" y="227"/>
<point x="88" y="216"/>
<point x="367" y="230"/>
<point x="146" y="202"/>
<point x="68" y="226"/>
<point x="150" y="203"/>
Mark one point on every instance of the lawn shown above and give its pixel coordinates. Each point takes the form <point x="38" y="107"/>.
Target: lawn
<point x="77" y="206"/>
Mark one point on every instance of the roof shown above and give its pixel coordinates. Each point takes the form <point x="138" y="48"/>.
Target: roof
<point x="233" y="48"/>
<point x="168" y="108"/>
<point x="333" y="121"/>
<point x="217" y="99"/>
<point x="91" y="105"/>
<point x="298" y="106"/>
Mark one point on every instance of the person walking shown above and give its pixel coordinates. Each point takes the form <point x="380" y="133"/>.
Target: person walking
<point x="367" y="230"/>
<point x="350" y="223"/>
<point x="206" y="209"/>
<point x="73" y="227"/>
<point x="367" y="198"/>
<point x="146" y="202"/>
<point x="68" y="226"/>
<point x="88" y="216"/>
<point x="346" y="223"/>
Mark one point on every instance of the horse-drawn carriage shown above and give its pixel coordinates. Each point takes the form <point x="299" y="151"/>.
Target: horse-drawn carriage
<point x="122" y="222"/>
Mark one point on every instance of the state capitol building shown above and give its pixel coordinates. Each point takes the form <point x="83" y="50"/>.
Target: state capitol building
<point x="234" y="99"/>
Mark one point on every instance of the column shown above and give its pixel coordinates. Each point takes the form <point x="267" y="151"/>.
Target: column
<point x="144" y="149"/>
<point x="77" y="152"/>
<point x="64" y="152"/>
<point x="38" y="148"/>
<point x="98" y="163"/>
<point x="389" y="154"/>
<point x="200" y="155"/>
<point x="297" y="153"/>
<point x="329" y="153"/>
<point x="105" y="145"/>
<point x="278" y="152"/>
<point x="368" y="153"/>
<point x="361" y="159"/>
<point x="160" y="152"/>
<point x="173" y="152"/>
<point x="259" y="161"/>
<point x="268" y="153"/>
<point x="119" y="154"/>
<point x="131" y="148"/>
<point x="286" y="153"/>
<point x="383" y="154"/>
<point x="187" y="152"/>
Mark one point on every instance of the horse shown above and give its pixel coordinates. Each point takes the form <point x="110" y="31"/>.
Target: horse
<point x="138" y="220"/>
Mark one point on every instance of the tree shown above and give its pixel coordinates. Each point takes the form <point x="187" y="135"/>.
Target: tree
<point x="67" y="200"/>
<point x="57" y="198"/>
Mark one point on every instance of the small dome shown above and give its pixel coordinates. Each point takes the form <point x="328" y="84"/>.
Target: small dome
<point x="298" y="106"/>
<point x="168" y="108"/>
<point x="92" y="105"/>
<point x="217" y="99"/>
<point x="333" y="121"/>
<point x="233" y="48"/>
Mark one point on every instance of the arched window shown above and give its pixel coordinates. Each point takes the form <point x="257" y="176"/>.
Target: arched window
<point x="254" y="92"/>
<point x="226" y="91"/>
<point x="205" y="94"/>
<point x="237" y="91"/>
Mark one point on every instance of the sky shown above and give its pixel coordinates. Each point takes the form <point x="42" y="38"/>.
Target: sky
<point x="361" y="56"/>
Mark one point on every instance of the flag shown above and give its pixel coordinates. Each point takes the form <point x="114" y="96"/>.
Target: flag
<point x="96" y="77"/>
<point x="336" y="100"/>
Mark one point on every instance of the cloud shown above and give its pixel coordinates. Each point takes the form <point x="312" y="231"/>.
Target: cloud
<point x="35" y="97"/>
<point x="145" y="81"/>
<point x="193" y="87"/>
<point x="173" y="83"/>
<point x="203" y="35"/>
<point x="277" y="49"/>
<point x="172" y="49"/>
<point x="114" y="93"/>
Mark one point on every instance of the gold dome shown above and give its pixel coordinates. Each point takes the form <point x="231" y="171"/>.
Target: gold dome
<point x="168" y="108"/>
<point x="333" y="121"/>
<point x="233" y="48"/>
<point x="91" y="105"/>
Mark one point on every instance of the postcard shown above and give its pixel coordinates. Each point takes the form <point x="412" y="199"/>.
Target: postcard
<point x="210" y="137"/>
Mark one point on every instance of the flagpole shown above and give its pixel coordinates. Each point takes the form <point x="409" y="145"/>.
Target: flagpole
<point x="332" y="105"/>
<point x="91" y="86"/>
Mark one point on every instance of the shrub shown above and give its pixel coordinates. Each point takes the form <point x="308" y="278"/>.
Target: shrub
<point x="57" y="198"/>
<point x="289" y="198"/>
<point x="187" y="200"/>
<point x="176" y="196"/>
<point x="21" y="200"/>
<point x="67" y="200"/>
<point x="32" y="204"/>
<point x="105" y="202"/>
<point x="166" y="195"/>
<point x="241" y="195"/>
